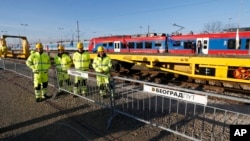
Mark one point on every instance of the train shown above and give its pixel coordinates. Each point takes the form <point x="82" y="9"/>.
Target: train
<point x="226" y="43"/>
<point x="223" y="43"/>
<point x="69" y="45"/>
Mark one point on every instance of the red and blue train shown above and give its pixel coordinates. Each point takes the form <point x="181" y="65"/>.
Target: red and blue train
<point x="228" y="43"/>
<point x="225" y="43"/>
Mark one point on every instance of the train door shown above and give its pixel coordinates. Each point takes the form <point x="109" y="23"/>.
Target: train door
<point x="204" y="45"/>
<point x="117" y="46"/>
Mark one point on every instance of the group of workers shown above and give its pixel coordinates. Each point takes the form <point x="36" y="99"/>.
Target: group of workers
<point x="40" y="63"/>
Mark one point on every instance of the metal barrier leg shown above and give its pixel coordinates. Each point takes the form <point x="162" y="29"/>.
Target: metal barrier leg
<point x="110" y="120"/>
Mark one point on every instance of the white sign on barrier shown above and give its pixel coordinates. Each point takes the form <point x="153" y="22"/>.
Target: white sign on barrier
<point x="194" y="98"/>
<point x="78" y="73"/>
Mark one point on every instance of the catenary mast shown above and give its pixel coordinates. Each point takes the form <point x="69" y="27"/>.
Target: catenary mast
<point x="78" y="31"/>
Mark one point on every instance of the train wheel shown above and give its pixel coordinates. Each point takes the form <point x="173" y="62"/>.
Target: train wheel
<point x="241" y="73"/>
<point x="116" y="66"/>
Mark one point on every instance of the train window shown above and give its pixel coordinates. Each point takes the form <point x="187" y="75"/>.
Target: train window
<point x="247" y="43"/>
<point x="158" y="44"/>
<point x="110" y="44"/>
<point x="148" y="44"/>
<point x="131" y="45"/>
<point x="139" y="45"/>
<point x="232" y="44"/>
<point x="123" y="46"/>
<point x="117" y="46"/>
<point x="188" y="45"/>
<point x="104" y="45"/>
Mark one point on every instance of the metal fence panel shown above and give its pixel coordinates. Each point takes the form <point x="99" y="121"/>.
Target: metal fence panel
<point x="193" y="121"/>
<point x="92" y="93"/>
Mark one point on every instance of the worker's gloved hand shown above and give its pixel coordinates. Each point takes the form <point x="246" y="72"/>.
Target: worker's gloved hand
<point x="101" y="71"/>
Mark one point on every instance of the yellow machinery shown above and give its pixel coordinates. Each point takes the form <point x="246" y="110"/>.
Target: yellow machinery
<point x="227" y="71"/>
<point x="6" y="52"/>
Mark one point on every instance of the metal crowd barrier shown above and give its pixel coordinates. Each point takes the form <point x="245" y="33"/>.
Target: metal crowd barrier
<point x="92" y="94"/>
<point x="184" y="112"/>
<point x="169" y="109"/>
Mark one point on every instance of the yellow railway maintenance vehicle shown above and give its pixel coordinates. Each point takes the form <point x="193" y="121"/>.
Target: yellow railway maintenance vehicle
<point x="6" y="52"/>
<point x="226" y="71"/>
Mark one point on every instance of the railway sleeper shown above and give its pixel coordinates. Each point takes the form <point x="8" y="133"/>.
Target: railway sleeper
<point x="245" y="86"/>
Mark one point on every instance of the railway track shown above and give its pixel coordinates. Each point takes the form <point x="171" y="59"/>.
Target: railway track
<point x="182" y="82"/>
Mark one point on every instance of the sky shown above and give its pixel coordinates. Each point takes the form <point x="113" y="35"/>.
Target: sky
<point x="53" y="20"/>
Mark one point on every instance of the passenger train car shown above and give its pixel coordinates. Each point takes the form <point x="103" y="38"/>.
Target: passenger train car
<point x="69" y="45"/>
<point x="228" y="43"/>
<point x="148" y="43"/>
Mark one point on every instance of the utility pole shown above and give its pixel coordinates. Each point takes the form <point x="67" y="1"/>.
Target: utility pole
<point x="61" y="29"/>
<point x="140" y="28"/>
<point x="78" y="31"/>
<point x="24" y="25"/>
<point x="148" y="29"/>
<point x="229" y="22"/>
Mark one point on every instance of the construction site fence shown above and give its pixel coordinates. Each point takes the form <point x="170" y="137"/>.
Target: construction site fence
<point x="192" y="114"/>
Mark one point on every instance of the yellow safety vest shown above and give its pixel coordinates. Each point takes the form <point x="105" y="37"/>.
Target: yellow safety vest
<point x="81" y="60"/>
<point x="39" y="62"/>
<point x="102" y="64"/>
<point x="63" y="63"/>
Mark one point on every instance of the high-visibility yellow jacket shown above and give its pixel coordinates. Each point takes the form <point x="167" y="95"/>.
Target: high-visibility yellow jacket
<point x="63" y="62"/>
<point x="102" y="64"/>
<point x="3" y="49"/>
<point x="38" y="62"/>
<point x="81" y="60"/>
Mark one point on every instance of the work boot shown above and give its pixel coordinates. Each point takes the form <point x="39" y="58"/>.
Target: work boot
<point x="104" y="96"/>
<point x="46" y="96"/>
<point x="83" y="93"/>
<point x="75" y="91"/>
<point x="39" y="100"/>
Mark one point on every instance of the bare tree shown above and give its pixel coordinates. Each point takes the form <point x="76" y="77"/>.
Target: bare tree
<point x="213" y="27"/>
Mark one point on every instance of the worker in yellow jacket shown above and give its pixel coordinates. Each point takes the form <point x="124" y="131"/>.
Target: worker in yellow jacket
<point x="102" y="64"/>
<point x="63" y="62"/>
<point x="3" y="48"/>
<point x="40" y="63"/>
<point x="81" y="61"/>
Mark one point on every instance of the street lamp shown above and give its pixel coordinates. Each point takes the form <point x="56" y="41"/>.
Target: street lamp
<point x="4" y="31"/>
<point x="140" y="28"/>
<point x="24" y="25"/>
<point x="61" y="28"/>
<point x="229" y="20"/>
